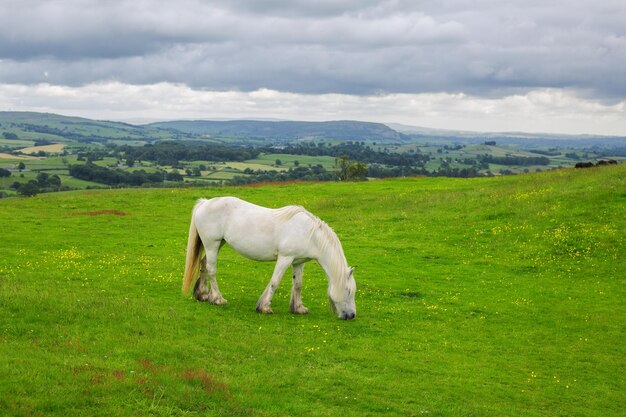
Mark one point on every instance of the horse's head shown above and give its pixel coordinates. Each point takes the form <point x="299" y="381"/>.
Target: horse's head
<point x="341" y="296"/>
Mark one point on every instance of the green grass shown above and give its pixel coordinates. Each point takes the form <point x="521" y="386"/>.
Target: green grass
<point x="19" y="123"/>
<point x="43" y="164"/>
<point x="477" y="297"/>
<point x="327" y="162"/>
<point x="242" y="166"/>
<point x="15" y="143"/>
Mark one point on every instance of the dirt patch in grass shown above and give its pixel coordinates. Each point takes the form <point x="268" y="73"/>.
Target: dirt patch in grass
<point x="208" y="383"/>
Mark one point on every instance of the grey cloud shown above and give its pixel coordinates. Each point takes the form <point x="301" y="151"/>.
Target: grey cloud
<point x="483" y="47"/>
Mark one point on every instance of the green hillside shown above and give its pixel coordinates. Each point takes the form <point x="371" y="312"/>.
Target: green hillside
<point x="287" y="131"/>
<point x="53" y="127"/>
<point x="495" y="296"/>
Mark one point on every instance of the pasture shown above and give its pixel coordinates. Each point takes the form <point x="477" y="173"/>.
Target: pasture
<point x="54" y="148"/>
<point x="476" y="297"/>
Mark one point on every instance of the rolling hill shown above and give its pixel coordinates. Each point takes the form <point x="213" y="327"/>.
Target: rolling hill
<point x="52" y="127"/>
<point x="30" y="126"/>
<point x="57" y="128"/>
<point x="476" y="297"/>
<point x="288" y="131"/>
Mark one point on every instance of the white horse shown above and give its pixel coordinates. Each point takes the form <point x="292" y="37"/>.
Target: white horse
<point x="289" y="235"/>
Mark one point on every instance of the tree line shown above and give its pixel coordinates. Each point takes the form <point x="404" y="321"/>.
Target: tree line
<point x="356" y="151"/>
<point x="117" y="177"/>
<point x="43" y="184"/>
<point x="515" y="160"/>
<point x="172" y="153"/>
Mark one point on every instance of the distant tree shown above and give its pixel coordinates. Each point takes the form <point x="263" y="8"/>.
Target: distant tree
<point x="42" y="179"/>
<point x="174" y="176"/>
<point x="21" y="166"/>
<point x="54" y="181"/>
<point x="279" y="162"/>
<point x="357" y="171"/>
<point x="348" y="170"/>
<point x="29" y="189"/>
<point x="342" y="166"/>
<point x="4" y="173"/>
<point x="9" y="135"/>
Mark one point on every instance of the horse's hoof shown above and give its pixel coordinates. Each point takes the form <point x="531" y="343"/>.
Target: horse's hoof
<point x="300" y="310"/>
<point x="264" y="310"/>
<point x="202" y="296"/>
<point x="219" y="301"/>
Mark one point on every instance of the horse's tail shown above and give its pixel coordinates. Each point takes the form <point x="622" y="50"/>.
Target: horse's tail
<point x="192" y="261"/>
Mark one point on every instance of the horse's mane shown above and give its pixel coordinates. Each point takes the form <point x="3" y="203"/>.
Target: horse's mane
<point x="287" y="212"/>
<point x="326" y="240"/>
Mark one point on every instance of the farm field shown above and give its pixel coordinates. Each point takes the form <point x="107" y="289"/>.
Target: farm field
<point x="310" y="162"/>
<point x="55" y="148"/>
<point x="216" y="171"/>
<point x="327" y="162"/>
<point x="495" y="296"/>
<point x="16" y="157"/>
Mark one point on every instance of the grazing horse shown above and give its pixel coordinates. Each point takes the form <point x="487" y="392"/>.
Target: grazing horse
<point x="288" y="235"/>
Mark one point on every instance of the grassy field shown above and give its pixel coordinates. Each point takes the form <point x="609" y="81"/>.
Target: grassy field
<point x="327" y="162"/>
<point x="217" y="171"/>
<point x="54" y="148"/>
<point x="476" y="297"/>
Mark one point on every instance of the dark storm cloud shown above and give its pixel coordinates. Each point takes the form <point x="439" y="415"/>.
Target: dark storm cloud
<point x="347" y="46"/>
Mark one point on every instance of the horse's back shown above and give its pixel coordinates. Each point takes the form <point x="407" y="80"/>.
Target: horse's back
<point x="238" y="209"/>
<point x="254" y="231"/>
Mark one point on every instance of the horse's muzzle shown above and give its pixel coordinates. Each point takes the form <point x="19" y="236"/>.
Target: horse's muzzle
<point x="347" y="315"/>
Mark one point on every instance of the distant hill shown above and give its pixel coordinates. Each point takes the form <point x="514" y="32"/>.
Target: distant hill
<point x="54" y="127"/>
<point x="521" y="139"/>
<point x="285" y="131"/>
<point x="31" y="126"/>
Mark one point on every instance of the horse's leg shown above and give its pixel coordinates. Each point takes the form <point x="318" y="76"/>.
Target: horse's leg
<point x="264" y="305"/>
<point x="296" y="291"/>
<point x="208" y="268"/>
<point x="200" y="290"/>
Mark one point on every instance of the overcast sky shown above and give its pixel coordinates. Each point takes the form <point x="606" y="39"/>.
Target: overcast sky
<point x="489" y="65"/>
